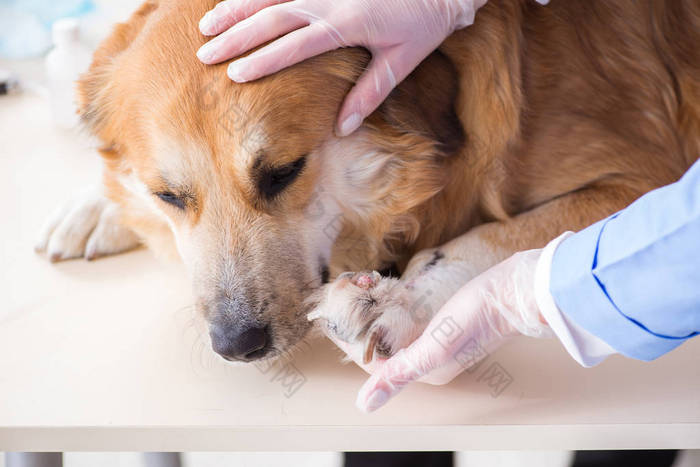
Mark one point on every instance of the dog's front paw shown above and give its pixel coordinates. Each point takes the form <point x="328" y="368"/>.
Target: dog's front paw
<point x="89" y="226"/>
<point x="371" y="311"/>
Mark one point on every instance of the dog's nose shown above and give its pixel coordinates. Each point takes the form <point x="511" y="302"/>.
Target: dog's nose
<point x="240" y="342"/>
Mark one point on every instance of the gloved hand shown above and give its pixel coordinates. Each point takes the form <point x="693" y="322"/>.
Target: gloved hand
<point x="492" y="307"/>
<point x="398" y="33"/>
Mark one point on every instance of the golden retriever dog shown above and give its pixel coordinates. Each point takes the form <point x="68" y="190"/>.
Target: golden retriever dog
<point x="533" y="121"/>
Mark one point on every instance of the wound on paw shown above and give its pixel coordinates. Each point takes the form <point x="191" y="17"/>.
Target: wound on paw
<point x="365" y="280"/>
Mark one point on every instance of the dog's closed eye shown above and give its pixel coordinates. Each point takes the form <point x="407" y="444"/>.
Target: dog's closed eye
<point x="273" y="180"/>
<point x="172" y="199"/>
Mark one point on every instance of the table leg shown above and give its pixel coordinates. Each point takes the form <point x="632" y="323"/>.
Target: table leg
<point x="161" y="459"/>
<point x="34" y="459"/>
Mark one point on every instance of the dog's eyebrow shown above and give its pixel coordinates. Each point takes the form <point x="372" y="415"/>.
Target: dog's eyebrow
<point x="181" y="189"/>
<point x="164" y="181"/>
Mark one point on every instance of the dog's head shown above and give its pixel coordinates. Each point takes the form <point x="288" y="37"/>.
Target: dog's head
<point x="264" y="203"/>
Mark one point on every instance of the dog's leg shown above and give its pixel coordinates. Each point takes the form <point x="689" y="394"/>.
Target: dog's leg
<point x="89" y="225"/>
<point x="386" y="314"/>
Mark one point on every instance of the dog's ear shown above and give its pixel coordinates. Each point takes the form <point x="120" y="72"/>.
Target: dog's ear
<point x="412" y="135"/>
<point x="93" y="84"/>
<point x="424" y="104"/>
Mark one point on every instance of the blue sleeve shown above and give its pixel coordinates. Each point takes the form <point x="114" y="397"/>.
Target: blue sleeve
<point x="633" y="279"/>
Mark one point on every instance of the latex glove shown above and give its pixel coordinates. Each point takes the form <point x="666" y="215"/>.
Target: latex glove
<point x="498" y="304"/>
<point x="398" y="33"/>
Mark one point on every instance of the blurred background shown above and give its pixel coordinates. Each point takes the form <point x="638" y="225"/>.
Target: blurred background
<point x="25" y="25"/>
<point x="46" y="44"/>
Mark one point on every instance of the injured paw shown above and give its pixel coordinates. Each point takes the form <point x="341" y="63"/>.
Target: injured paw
<point x="368" y="312"/>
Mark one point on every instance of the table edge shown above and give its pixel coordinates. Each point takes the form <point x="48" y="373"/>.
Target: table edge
<point x="352" y="438"/>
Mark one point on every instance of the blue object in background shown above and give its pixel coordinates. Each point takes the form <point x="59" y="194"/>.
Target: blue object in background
<point x="25" y="25"/>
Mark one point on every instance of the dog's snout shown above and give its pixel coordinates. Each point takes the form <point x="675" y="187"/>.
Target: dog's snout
<point x="240" y="342"/>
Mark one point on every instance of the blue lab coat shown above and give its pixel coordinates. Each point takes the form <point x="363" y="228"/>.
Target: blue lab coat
<point x="633" y="279"/>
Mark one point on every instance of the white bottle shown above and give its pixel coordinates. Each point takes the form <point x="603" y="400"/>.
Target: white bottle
<point x="64" y="65"/>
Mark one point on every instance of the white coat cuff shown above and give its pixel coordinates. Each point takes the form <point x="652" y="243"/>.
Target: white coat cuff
<point x="587" y="349"/>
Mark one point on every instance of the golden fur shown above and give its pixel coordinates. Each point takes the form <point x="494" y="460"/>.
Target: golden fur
<point x="533" y="121"/>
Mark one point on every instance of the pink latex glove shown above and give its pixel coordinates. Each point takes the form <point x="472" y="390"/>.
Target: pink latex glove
<point x="498" y="304"/>
<point x="398" y="33"/>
